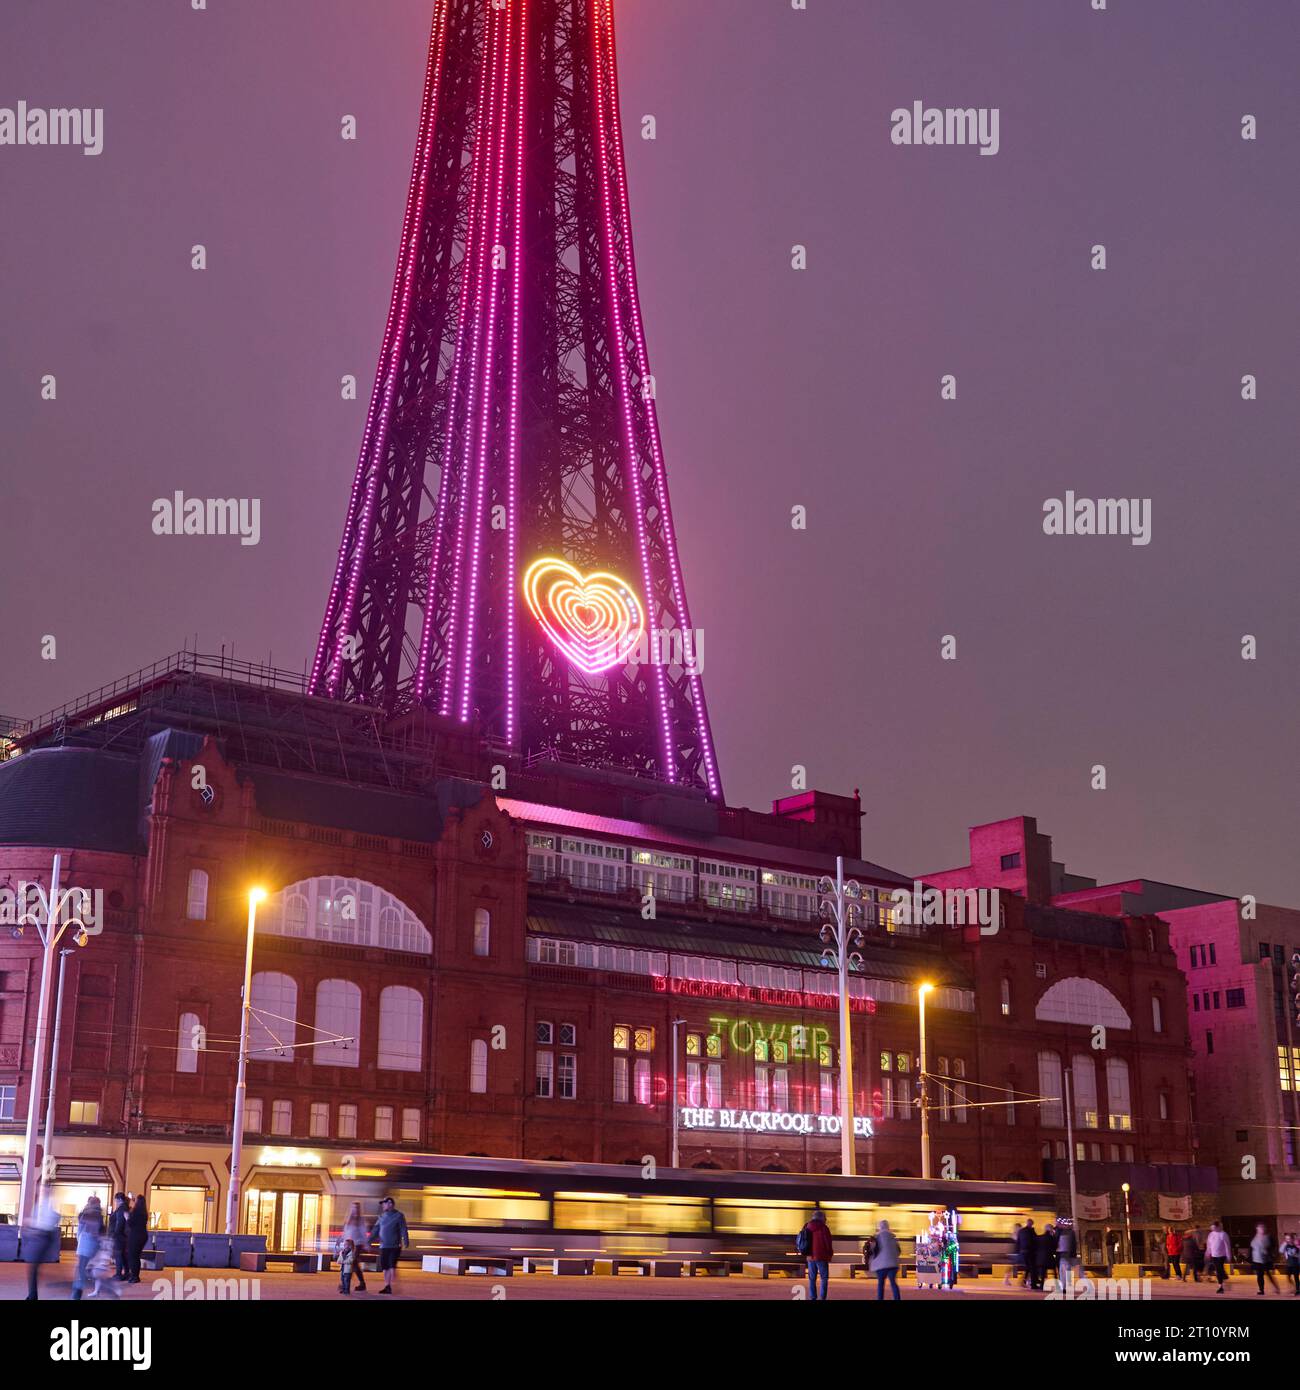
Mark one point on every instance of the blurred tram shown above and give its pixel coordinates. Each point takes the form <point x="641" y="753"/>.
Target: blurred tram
<point x="466" y="1206"/>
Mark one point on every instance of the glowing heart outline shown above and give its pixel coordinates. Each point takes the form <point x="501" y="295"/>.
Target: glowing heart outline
<point x="595" y="620"/>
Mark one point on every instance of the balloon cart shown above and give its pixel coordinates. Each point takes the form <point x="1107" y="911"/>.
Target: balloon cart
<point x="938" y="1252"/>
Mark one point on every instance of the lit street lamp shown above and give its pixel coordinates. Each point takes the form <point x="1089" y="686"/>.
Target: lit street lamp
<point x="841" y="905"/>
<point x="921" y="992"/>
<point x="1128" y="1228"/>
<point x="255" y="896"/>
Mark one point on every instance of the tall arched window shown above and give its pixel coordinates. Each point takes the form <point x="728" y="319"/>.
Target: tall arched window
<point x="1118" y="1101"/>
<point x="482" y="932"/>
<point x="401" y="1028"/>
<point x="189" y="1039"/>
<point x="1051" y="1111"/>
<point x="478" y="1059"/>
<point x="1006" y="997"/>
<point x="1083" y="1079"/>
<point x="196" y="896"/>
<point x="274" y="1003"/>
<point x="1157" y="1014"/>
<point x="338" y="1012"/>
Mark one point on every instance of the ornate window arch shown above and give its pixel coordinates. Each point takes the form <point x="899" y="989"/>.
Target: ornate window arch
<point x="350" y="911"/>
<point x="1081" y="1001"/>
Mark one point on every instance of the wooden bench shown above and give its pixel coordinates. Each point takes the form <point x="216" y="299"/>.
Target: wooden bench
<point x="532" y="1265"/>
<point x="763" y="1269"/>
<point x="715" y="1268"/>
<point x="500" y="1265"/>
<point x="300" y="1261"/>
<point x="611" y="1268"/>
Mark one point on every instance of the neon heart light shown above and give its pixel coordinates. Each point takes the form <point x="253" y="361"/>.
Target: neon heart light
<point x="594" y="619"/>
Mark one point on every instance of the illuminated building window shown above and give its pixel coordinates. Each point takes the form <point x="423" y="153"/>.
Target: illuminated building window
<point x="780" y="1089"/>
<point x="411" y="1124"/>
<point x="713" y="1085"/>
<point x="566" y="1085"/>
<point x="825" y="1055"/>
<point x="886" y="1061"/>
<point x="1083" y="1079"/>
<point x="383" y="1122"/>
<point x="281" y="1117"/>
<point x="622" y="1038"/>
<point x="196" y="897"/>
<point x="641" y="1082"/>
<point x="189" y="1039"/>
<point x="903" y="1061"/>
<point x="478" y="1067"/>
<point x="622" y="1090"/>
<point x="338" y="1012"/>
<point x="83" y="1112"/>
<point x="694" y="1044"/>
<point x="780" y="1051"/>
<point x="545" y="1075"/>
<point x="347" y="1121"/>
<point x="253" y="1117"/>
<point x="345" y="911"/>
<point x="401" y="1028"/>
<point x="826" y="1100"/>
<point x="1118" y="1101"/>
<point x="693" y="1076"/>
<point x="1288" y="1068"/>
<point x="713" y="1045"/>
<point x="1051" y="1087"/>
<point x="318" y="1122"/>
<point x="482" y="931"/>
<point x="643" y="1040"/>
<point x="1006" y="997"/>
<point x="760" y="1050"/>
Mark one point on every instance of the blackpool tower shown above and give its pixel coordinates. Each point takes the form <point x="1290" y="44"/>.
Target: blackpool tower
<point x="508" y="559"/>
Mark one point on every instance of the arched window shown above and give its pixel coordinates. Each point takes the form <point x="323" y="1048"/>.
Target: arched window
<point x="1157" y="1014"/>
<point x="196" y="896"/>
<point x="482" y="932"/>
<point x="347" y="910"/>
<point x="1006" y="997"/>
<point x="274" y="1004"/>
<point x="1118" y="1101"/>
<point x="1076" y="1000"/>
<point x="1083" y="1079"/>
<point x="338" y="1012"/>
<point x="1052" y="1110"/>
<point x="189" y="1041"/>
<point x="478" y="1058"/>
<point x="401" y="1028"/>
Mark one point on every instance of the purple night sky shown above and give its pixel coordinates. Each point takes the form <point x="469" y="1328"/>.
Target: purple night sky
<point x="776" y="388"/>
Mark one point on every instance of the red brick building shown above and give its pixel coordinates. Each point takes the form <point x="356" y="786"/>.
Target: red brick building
<point x="444" y="966"/>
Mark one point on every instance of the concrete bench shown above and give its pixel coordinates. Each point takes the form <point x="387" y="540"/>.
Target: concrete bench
<point x="533" y="1265"/>
<point x="665" y="1269"/>
<point x="611" y="1268"/>
<point x="715" y="1268"/>
<point x="300" y="1261"/>
<point x="843" y="1269"/>
<point x="764" y="1269"/>
<point x="153" y="1260"/>
<point x="500" y="1265"/>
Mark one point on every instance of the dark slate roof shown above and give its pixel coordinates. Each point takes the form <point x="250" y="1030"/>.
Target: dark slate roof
<point x="365" y="810"/>
<point x="1084" y="928"/>
<point x="72" y="798"/>
<point x="613" y="927"/>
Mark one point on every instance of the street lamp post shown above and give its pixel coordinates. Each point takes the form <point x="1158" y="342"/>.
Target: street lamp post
<point x="841" y="904"/>
<point x="64" y="953"/>
<point x="922" y="991"/>
<point x="677" y="1024"/>
<point x="1128" y="1229"/>
<point x="255" y="896"/>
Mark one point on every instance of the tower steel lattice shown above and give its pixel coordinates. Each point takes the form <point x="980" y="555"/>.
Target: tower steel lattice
<point x="514" y="370"/>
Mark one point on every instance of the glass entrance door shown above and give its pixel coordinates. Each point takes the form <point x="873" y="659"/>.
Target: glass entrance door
<point x="289" y="1221"/>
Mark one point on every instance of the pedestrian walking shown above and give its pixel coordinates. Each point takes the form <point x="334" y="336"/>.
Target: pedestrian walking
<point x="137" y="1234"/>
<point x="1026" y="1238"/>
<point x="1189" y="1252"/>
<point x="101" y="1269"/>
<point x="354" y="1229"/>
<point x="819" y="1250"/>
<point x="117" y="1223"/>
<point x="345" y="1251"/>
<point x="1015" y="1260"/>
<point x="1291" y="1260"/>
<point x="885" y="1262"/>
<point x="1067" y="1254"/>
<point x="40" y="1240"/>
<point x="1044" y="1255"/>
<point x="1261" y="1259"/>
<point x="1173" y="1250"/>
<point x="90" y="1229"/>
<point x="389" y="1233"/>
<point x="1218" y="1250"/>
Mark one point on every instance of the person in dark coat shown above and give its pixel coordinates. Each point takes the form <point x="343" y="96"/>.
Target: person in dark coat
<point x="117" y="1232"/>
<point x="1044" y="1255"/>
<point x="137" y="1234"/>
<point x="1026" y="1240"/>
<point x="820" y="1253"/>
<point x="1189" y="1253"/>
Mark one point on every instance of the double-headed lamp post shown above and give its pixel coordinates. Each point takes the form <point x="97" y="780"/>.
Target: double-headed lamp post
<point x="255" y="896"/>
<point x="921" y="991"/>
<point x="841" y="907"/>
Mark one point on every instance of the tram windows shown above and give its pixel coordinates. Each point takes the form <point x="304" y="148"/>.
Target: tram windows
<point x="760" y="1217"/>
<point x="445" y="1207"/>
<point x="614" y="1212"/>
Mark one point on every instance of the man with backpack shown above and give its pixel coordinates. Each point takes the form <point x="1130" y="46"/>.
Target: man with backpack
<point x="815" y="1245"/>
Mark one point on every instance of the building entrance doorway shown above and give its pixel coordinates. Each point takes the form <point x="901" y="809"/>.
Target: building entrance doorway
<point x="289" y="1220"/>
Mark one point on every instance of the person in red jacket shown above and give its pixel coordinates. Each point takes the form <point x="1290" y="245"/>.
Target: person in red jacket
<point x="820" y="1252"/>
<point x="1173" y="1248"/>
